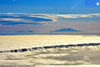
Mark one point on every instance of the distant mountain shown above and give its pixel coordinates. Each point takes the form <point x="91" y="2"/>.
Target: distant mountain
<point x="24" y="31"/>
<point x="20" y="31"/>
<point x="67" y="30"/>
<point x="30" y="31"/>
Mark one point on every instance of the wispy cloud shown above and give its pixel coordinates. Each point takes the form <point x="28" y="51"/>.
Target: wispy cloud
<point x="52" y="16"/>
<point x="13" y="19"/>
<point x="37" y="19"/>
<point x="70" y="15"/>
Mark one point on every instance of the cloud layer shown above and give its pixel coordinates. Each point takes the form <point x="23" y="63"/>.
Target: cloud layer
<point x="14" y="19"/>
<point x="38" y="19"/>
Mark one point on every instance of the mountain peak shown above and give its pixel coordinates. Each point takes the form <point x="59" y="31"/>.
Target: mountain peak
<point x="67" y="30"/>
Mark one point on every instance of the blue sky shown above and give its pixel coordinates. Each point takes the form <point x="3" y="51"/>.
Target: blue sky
<point x="46" y="6"/>
<point x="44" y="16"/>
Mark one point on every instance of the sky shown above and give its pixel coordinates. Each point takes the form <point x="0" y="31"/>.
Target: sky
<point x="47" y="16"/>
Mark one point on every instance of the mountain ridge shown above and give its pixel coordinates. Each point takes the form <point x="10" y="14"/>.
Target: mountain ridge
<point x="67" y="30"/>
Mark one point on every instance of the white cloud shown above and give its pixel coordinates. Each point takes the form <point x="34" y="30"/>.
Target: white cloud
<point x="57" y="16"/>
<point x="16" y="20"/>
<point x="11" y="19"/>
